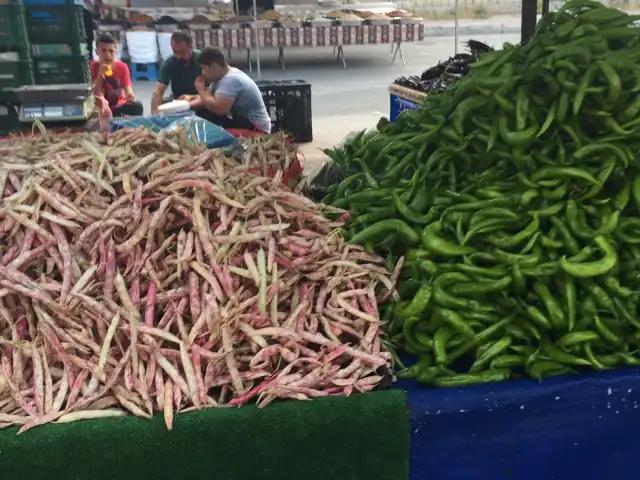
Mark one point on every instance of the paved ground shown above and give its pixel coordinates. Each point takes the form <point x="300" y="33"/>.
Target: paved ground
<point x="344" y="100"/>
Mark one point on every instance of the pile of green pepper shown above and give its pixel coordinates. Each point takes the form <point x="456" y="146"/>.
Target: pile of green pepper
<point x="514" y="200"/>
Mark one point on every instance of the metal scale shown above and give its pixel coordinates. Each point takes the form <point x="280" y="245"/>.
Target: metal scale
<point x="55" y="103"/>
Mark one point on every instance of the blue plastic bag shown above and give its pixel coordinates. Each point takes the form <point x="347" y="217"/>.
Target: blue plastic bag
<point x="196" y="128"/>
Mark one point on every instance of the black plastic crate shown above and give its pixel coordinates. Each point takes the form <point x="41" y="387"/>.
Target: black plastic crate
<point x="55" y="23"/>
<point x="13" y="30"/>
<point x="16" y="73"/>
<point x="61" y="70"/>
<point x="59" y="50"/>
<point x="8" y="119"/>
<point x="288" y="103"/>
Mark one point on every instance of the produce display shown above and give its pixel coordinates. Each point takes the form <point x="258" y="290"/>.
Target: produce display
<point x="514" y="200"/>
<point x="442" y="76"/>
<point x="140" y="273"/>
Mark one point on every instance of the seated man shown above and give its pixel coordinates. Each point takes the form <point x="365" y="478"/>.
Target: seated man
<point x="180" y="71"/>
<point x="112" y="79"/>
<point x="233" y="99"/>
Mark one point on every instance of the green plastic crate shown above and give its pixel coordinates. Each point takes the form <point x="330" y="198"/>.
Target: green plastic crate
<point x="13" y="29"/>
<point x="8" y="120"/>
<point x="59" y="50"/>
<point x="15" y="74"/>
<point x="55" y="23"/>
<point x="58" y="70"/>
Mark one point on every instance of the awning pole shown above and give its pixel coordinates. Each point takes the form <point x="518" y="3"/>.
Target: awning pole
<point x="455" y="28"/>
<point x="257" y="38"/>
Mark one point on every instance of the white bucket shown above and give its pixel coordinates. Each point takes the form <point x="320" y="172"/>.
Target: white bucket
<point x="143" y="46"/>
<point x="164" y="42"/>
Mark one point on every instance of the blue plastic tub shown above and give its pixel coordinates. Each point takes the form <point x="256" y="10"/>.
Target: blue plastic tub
<point x="399" y="105"/>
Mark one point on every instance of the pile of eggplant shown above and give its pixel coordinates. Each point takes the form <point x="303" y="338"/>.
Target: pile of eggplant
<point x="444" y="74"/>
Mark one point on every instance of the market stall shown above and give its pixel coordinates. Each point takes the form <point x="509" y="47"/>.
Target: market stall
<point x="105" y="316"/>
<point x="311" y="36"/>
<point x="491" y="240"/>
<point x="408" y="93"/>
<point x="283" y="28"/>
<point x="512" y="199"/>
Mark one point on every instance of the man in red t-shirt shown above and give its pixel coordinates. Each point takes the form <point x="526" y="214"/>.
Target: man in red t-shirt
<point x="112" y="79"/>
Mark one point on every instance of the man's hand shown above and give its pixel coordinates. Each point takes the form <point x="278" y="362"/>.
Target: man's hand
<point x="130" y="96"/>
<point x="188" y="98"/>
<point x="102" y="70"/>
<point x="200" y="84"/>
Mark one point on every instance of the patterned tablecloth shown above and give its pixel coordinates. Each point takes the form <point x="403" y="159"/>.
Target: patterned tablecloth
<point x="315" y="36"/>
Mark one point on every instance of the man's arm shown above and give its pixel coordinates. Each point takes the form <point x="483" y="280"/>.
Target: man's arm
<point x="157" y="98"/>
<point x="219" y="105"/>
<point x="98" y="85"/>
<point x="127" y="86"/>
<point x="97" y="74"/>
<point x="196" y="103"/>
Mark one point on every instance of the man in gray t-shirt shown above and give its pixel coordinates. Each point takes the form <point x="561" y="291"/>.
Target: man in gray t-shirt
<point x="233" y="99"/>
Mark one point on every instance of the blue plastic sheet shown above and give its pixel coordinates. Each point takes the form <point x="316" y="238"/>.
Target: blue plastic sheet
<point x="197" y="129"/>
<point x="571" y="427"/>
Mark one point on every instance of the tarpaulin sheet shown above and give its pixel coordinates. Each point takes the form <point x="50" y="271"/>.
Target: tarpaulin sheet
<point x="565" y="428"/>
<point x="197" y="129"/>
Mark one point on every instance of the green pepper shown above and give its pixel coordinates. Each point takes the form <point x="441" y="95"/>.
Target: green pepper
<point x="549" y="368"/>
<point x="464" y="380"/>
<point x="427" y="267"/>
<point x="561" y="356"/>
<point x="513" y="240"/>
<point x="410" y="337"/>
<point x="515" y="139"/>
<point x="453" y="319"/>
<point x="484" y="226"/>
<point x="427" y="375"/>
<point x="493" y="351"/>
<point x="410" y="215"/>
<point x="386" y="228"/>
<point x="570" y="243"/>
<point x="508" y="360"/>
<point x="569" y="294"/>
<point x="546" y="269"/>
<point x="606" y="334"/>
<point x="596" y="268"/>
<point x="613" y="285"/>
<point x="434" y="243"/>
<point x="556" y="315"/>
<point x="482" y="272"/>
<point x="525" y="261"/>
<point x="480" y="288"/>
<point x="595" y="362"/>
<point x="480" y="338"/>
<point x="418" y="304"/>
<point x="424" y="362"/>
<point x="538" y="317"/>
<point x="609" y="223"/>
<point x="574" y="338"/>
<point x="598" y="294"/>
<point x="613" y="79"/>
<point x="573" y="220"/>
<point x="440" y="340"/>
<point x="564" y="172"/>
<point x="549" y="211"/>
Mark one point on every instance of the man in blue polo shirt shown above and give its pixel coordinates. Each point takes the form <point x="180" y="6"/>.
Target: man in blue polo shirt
<point x="180" y="71"/>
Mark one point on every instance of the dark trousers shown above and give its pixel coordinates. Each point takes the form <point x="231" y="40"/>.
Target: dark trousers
<point x="226" y="122"/>
<point x="128" y="110"/>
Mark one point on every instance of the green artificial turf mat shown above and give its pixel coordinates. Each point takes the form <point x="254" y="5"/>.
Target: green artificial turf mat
<point x="363" y="437"/>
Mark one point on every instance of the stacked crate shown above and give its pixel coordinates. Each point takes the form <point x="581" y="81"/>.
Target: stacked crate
<point x="16" y="67"/>
<point x="58" y="41"/>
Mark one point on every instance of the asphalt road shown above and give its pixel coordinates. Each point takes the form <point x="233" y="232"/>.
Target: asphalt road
<point x="344" y="100"/>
